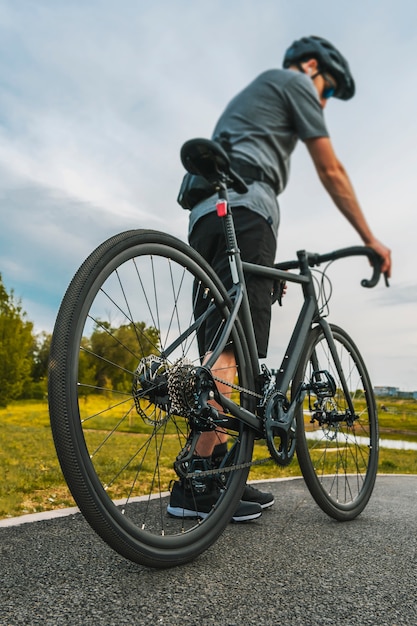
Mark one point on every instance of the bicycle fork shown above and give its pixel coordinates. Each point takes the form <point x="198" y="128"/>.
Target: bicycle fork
<point x="333" y="351"/>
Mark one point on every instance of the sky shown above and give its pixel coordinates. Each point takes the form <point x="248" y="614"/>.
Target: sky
<point x="97" y="97"/>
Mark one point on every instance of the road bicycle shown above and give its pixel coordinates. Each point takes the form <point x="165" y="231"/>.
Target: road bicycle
<point x="130" y="393"/>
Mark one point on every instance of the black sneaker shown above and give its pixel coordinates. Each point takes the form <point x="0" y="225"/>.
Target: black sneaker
<point x="247" y="511"/>
<point x="250" y="494"/>
<point x="264" y="499"/>
<point x="185" y="503"/>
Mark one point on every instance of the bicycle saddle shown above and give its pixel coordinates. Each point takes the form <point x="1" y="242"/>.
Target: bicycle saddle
<point x="203" y="157"/>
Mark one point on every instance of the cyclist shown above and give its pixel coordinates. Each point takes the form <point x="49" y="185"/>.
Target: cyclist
<point x="259" y="129"/>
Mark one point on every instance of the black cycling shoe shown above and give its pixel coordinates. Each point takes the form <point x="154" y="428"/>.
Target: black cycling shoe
<point x="250" y="494"/>
<point x="263" y="498"/>
<point x="196" y="497"/>
<point x="186" y="503"/>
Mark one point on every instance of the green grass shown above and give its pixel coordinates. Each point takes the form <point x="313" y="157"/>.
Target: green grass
<point x="31" y="479"/>
<point x="399" y="415"/>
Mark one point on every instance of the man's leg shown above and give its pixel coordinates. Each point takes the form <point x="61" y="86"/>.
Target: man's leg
<point x="183" y="502"/>
<point x="213" y="444"/>
<point x="225" y="369"/>
<point x="258" y="245"/>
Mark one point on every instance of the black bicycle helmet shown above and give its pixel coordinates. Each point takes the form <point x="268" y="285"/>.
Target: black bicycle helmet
<point x="328" y="58"/>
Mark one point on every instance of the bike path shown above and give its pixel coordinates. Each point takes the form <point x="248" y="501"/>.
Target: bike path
<point x="293" y="566"/>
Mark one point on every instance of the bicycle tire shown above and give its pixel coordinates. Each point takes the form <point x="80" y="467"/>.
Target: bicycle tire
<point x="339" y="461"/>
<point x="117" y="456"/>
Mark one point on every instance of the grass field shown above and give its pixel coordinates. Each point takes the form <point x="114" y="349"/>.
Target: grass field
<point x="31" y="479"/>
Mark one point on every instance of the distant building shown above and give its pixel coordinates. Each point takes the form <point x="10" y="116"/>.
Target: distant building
<point x="386" y="391"/>
<point x="394" y="392"/>
<point x="408" y="394"/>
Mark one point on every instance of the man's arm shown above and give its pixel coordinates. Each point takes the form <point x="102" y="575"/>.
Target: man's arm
<point x="336" y="181"/>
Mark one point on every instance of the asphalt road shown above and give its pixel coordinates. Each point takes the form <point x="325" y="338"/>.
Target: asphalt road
<point x="293" y="566"/>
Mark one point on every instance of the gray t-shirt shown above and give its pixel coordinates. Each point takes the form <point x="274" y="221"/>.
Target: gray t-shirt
<point x="263" y="123"/>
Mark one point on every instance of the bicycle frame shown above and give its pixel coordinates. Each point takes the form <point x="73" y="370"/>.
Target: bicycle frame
<point x="207" y="159"/>
<point x="309" y="315"/>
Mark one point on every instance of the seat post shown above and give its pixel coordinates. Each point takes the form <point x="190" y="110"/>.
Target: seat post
<point x="225" y="214"/>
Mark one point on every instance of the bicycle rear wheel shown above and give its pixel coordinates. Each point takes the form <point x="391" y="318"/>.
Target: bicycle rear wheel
<point x="337" y="453"/>
<point x="124" y="343"/>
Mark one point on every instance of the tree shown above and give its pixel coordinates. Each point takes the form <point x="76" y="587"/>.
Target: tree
<point x="117" y="352"/>
<point x="16" y="347"/>
<point x="41" y="350"/>
<point x="37" y="388"/>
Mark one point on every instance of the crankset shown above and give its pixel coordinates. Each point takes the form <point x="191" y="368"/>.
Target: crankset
<point x="280" y="430"/>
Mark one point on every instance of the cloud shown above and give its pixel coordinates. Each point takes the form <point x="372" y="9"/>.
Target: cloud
<point x="401" y="294"/>
<point x="97" y="98"/>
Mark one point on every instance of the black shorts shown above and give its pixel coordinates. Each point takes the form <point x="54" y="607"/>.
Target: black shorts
<point x="257" y="244"/>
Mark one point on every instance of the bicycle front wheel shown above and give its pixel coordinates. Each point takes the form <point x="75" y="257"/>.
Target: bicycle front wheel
<point x="123" y="350"/>
<point x="337" y="451"/>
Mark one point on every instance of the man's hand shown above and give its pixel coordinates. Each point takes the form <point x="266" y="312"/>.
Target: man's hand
<point x="384" y="253"/>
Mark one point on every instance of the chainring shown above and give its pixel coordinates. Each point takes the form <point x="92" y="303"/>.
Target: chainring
<point x="279" y="429"/>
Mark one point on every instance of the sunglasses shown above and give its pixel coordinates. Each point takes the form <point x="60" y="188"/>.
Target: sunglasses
<point x="329" y="88"/>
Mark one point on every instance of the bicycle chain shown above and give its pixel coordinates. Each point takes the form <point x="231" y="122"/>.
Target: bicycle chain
<point x="227" y="469"/>
<point x="237" y="388"/>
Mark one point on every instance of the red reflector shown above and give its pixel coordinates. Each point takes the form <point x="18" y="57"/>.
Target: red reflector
<point x="221" y="206"/>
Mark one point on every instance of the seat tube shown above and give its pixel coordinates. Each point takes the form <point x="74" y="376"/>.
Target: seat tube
<point x="232" y="250"/>
<point x="236" y="270"/>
